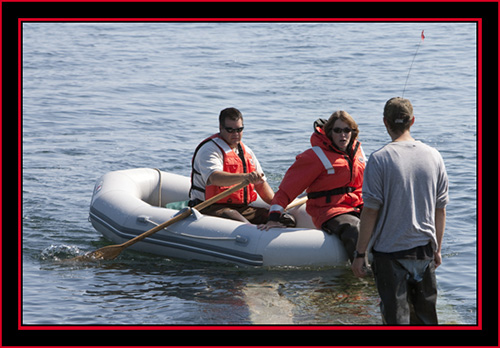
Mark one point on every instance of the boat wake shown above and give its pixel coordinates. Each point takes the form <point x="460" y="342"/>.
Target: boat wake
<point x="60" y="252"/>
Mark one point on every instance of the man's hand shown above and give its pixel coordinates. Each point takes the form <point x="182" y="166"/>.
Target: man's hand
<point x="254" y="178"/>
<point x="358" y="267"/>
<point x="437" y="259"/>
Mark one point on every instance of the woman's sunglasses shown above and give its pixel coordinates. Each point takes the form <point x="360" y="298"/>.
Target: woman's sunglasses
<point x="346" y="130"/>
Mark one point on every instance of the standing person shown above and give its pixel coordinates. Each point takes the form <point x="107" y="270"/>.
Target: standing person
<point x="222" y="161"/>
<point x="405" y="194"/>
<point x="331" y="172"/>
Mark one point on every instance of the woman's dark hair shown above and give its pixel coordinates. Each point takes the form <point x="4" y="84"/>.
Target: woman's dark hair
<point x="344" y="116"/>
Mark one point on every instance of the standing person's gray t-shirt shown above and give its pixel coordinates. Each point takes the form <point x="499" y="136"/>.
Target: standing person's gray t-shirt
<point x="406" y="181"/>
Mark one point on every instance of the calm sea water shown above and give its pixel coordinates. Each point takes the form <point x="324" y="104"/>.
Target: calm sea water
<point x="99" y="97"/>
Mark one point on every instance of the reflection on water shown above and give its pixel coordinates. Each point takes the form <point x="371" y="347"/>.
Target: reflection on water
<point x="161" y="291"/>
<point x="321" y="297"/>
<point x="145" y="289"/>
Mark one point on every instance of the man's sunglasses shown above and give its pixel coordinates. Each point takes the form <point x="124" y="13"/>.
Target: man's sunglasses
<point x="232" y="130"/>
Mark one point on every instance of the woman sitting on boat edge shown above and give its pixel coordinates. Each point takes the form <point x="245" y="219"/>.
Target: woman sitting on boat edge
<point x="331" y="172"/>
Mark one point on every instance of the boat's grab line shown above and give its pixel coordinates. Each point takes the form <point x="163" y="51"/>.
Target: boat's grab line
<point x="238" y="238"/>
<point x="178" y="243"/>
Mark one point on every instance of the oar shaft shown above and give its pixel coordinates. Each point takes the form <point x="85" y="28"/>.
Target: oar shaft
<point x="111" y="251"/>
<point x="221" y="195"/>
<point x="297" y="202"/>
<point x="152" y="231"/>
<point x="186" y="213"/>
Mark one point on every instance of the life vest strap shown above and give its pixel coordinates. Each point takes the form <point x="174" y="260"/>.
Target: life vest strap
<point x="197" y="188"/>
<point x="324" y="159"/>
<point x="328" y="194"/>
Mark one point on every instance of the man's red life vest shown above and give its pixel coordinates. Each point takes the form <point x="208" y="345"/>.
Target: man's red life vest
<point x="235" y="164"/>
<point x="333" y="179"/>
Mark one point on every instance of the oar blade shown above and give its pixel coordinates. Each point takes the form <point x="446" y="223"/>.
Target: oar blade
<point x="109" y="252"/>
<point x="112" y="251"/>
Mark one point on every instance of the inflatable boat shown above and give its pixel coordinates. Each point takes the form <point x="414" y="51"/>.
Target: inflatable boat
<point x="127" y="203"/>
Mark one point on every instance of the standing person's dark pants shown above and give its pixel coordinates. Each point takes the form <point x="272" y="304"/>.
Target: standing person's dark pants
<point x="407" y="289"/>
<point x="346" y="227"/>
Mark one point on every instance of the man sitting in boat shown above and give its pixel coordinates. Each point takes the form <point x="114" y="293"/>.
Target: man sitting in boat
<point x="331" y="172"/>
<point x="222" y="161"/>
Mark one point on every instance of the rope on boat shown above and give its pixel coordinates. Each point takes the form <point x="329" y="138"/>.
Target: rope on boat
<point x="159" y="186"/>
<point x="238" y="238"/>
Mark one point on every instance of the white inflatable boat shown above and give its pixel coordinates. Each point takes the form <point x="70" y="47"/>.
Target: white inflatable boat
<point x="127" y="203"/>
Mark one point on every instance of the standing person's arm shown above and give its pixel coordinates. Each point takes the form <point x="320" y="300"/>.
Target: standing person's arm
<point x="367" y="225"/>
<point x="440" y="222"/>
<point x="373" y="197"/>
<point x="442" y="200"/>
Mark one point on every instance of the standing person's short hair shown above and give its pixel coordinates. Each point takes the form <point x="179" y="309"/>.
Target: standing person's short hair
<point x="231" y="113"/>
<point x="399" y="113"/>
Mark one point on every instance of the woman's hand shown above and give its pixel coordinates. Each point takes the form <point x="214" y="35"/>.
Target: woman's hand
<point x="269" y="225"/>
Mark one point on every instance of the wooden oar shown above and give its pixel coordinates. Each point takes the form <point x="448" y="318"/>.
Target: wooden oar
<point x="111" y="251"/>
<point x="296" y="203"/>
